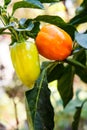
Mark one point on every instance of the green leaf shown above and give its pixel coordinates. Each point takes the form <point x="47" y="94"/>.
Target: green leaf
<point x="28" y="28"/>
<point x="75" y="123"/>
<point x="75" y="63"/>
<point x="33" y="32"/>
<point x="39" y="109"/>
<point x="78" y="19"/>
<point x="80" y="56"/>
<point x="49" y="1"/>
<point x="51" y="19"/>
<point x="22" y="22"/>
<point x="81" y="68"/>
<point x="81" y="39"/>
<point x="82" y="73"/>
<point x="6" y="2"/>
<point x="36" y="28"/>
<point x="55" y="72"/>
<point x="25" y="25"/>
<point x="58" y="21"/>
<point x="65" y="85"/>
<point x="82" y="8"/>
<point x="77" y="115"/>
<point x="27" y="4"/>
<point x="81" y="14"/>
<point x="6" y="27"/>
<point x="36" y="2"/>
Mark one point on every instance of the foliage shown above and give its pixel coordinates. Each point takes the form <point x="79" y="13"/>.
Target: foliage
<point x="40" y="113"/>
<point x="39" y="109"/>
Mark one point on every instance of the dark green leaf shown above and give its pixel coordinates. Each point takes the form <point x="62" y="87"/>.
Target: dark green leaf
<point x="30" y="28"/>
<point x="75" y="63"/>
<point x="81" y="39"/>
<point x="36" y="28"/>
<point x="81" y="14"/>
<point x="6" y="27"/>
<point x="27" y="4"/>
<point x="75" y="123"/>
<point x="55" y="72"/>
<point x="39" y="110"/>
<point x="77" y="115"/>
<point x="58" y="21"/>
<point x="29" y="34"/>
<point x="84" y="3"/>
<point x="6" y="2"/>
<point x="78" y="19"/>
<point x="33" y="32"/>
<point x="45" y="64"/>
<point x="82" y="8"/>
<point x="27" y="22"/>
<point x="53" y="19"/>
<point x="2" y="29"/>
<point x="65" y="85"/>
<point x="79" y="62"/>
<point x="82" y="73"/>
<point x="80" y="57"/>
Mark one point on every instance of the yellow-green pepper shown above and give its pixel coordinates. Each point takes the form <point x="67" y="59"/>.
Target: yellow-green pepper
<point x="26" y="63"/>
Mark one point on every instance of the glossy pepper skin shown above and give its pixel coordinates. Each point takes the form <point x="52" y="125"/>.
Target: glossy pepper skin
<point x="54" y="43"/>
<point x="25" y="60"/>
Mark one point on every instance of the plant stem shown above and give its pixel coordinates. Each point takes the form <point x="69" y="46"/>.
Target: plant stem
<point x="8" y="33"/>
<point x="16" y="115"/>
<point x="2" y="20"/>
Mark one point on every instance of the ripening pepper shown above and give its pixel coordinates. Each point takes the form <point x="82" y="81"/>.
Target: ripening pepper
<point x="25" y="60"/>
<point x="54" y="43"/>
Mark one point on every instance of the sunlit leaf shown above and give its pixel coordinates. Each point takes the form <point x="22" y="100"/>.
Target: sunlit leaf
<point x="22" y="21"/>
<point x="35" y="2"/>
<point x="27" y="4"/>
<point x="28" y="28"/>
<point x="49" y="1"/>
<point x="81" y="39"/>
